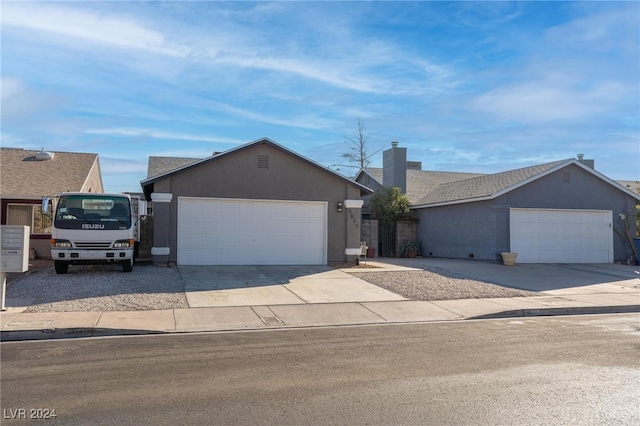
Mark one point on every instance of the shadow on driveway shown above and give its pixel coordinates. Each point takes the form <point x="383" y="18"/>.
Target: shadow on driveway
<point x="528" y="276"/>
<point x="204" y="278"/>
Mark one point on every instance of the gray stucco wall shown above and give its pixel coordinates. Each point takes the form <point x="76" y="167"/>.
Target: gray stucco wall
<point x="237" y="175"/>
<point x="373" y="185"/>
<point x="480" y="230"/>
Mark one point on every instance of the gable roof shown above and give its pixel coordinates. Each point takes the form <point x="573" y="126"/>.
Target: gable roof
<point x="488" y="187"/>
<point x="147" y="183"/>
<point x="25" y="177"/>
<point x="633" y="185"/>
<point x="161" y="165"/>
<point x="421" y="182"/>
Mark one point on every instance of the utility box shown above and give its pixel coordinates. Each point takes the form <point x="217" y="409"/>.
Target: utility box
<point x="14" y="243"/>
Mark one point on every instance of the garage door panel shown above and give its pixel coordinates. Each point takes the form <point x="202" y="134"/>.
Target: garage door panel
<point x="561" y="236"/>
<point x="237" y="232"/>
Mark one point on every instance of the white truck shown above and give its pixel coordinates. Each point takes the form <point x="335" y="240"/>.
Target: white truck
<point x="89" y="228"/>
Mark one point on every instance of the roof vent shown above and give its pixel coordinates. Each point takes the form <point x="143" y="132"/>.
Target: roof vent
<point x="44" y="155"/>
<point x="394" y="144"/>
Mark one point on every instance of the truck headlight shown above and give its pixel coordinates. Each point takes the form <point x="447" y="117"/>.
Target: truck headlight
<point x="123" y="244"/>
<point x="60" y="243"/>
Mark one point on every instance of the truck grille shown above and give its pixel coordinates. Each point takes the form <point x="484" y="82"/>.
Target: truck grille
<point x="93" y="245"/>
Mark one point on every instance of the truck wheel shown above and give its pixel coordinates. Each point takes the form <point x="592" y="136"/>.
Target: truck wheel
<point x="61" y="267"/>
<point x="127" y="265"/>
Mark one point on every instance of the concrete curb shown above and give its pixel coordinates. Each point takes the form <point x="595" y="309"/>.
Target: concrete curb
<point x="590" y="310"/>
<point x="88" y="332"/>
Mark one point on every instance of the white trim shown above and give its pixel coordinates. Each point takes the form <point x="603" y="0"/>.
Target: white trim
<point x="160" y="251"/>
<point x="161" y="197"/>
<point x="450" y="203"/>
<point x="353" y="204"/>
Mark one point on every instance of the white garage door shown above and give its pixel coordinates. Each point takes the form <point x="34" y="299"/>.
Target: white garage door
<point x="222" y="231"/>
<point x="562" y="236"/>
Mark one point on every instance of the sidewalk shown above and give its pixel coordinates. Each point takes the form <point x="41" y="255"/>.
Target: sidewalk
<point x="16" y="325"/>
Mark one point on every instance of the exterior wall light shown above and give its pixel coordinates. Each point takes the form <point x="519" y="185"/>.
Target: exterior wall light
<point x="339" y="206"/>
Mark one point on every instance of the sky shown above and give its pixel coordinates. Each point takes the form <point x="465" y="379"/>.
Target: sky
<point x="478" y="87"/>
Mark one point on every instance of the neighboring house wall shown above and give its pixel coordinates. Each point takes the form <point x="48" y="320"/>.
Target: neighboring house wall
<point x="25" y="180"/>
<point x="481" y="229"/>
<point x="237" y="175"/>
<point x="93" y="182"/>
<point x="29" y="212"/>
<point x="371" y="183"/>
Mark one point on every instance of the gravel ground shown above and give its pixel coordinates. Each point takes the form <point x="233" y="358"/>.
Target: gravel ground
<point x="97" y="288"/>
<point x="101" y="288"/>
<point x="437" y="284"/>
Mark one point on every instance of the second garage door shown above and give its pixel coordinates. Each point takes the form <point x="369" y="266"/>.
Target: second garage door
<point x="215" y="231"/>
<point x="562" y="236"/>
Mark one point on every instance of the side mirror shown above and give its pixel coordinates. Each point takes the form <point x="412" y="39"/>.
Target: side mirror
<point x="45" y="205"/>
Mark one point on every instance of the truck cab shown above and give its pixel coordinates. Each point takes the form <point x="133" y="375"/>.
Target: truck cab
<point x="90" y="228"/>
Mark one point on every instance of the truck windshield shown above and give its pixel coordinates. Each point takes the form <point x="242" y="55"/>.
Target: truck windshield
<point x="97" y="212"/>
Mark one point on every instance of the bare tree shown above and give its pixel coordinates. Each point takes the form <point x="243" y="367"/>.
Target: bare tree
<point x="357" y="156"/>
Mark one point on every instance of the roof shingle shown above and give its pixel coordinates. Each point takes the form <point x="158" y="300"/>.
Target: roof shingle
<point x="160" y="165"/>
<point x="422" y="182"/>
<point x="23" y="175"/>
<point x="484" y="185"/>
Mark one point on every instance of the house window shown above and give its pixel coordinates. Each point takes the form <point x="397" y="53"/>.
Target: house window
<point x="29" y="215"/>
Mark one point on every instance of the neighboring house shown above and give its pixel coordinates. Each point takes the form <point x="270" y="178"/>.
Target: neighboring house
<point x="256" y="204"/>
<point x="416" y="183"/>
<point x="160" y="165"/>
<point x="27" y="176"/>
<point x="559" y="212"/>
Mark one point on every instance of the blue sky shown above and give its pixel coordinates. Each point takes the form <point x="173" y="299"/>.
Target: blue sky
<point x="465" y="86"/>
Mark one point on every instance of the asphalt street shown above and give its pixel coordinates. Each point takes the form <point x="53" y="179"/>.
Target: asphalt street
<point x="560" y="370"/>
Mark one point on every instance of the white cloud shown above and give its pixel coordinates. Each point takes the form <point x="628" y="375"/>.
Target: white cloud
<point x="7" y="139"/>
<point x="486" y="14"/>
<point x="85" y="26"/>
<point x="304" y="122"/>
<point x="543" y="101"/>
<point x="600" y="30"/>
<point x="10" y="87"/>
<point x="159" y="134"/>
<point x="112" y="165"/>
<point x="345" y="67"/>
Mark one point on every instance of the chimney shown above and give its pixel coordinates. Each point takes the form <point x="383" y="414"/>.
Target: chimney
<point x="394" y="167"/>
<point x="588" y="163"/>
<point x="414" y="165"/>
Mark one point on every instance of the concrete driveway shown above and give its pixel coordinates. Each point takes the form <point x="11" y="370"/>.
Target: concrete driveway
<point x="550" y="278"/>
<point x="211" y="286"/>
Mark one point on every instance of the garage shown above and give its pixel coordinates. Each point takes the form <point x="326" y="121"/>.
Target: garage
<point x="561" y="236"/>
<point x="224" y="231"/>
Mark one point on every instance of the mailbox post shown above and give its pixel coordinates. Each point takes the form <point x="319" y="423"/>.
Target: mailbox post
<point x="14" y="246"/>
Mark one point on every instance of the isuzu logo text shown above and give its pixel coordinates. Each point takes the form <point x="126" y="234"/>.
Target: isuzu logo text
<point x="92" y="226"/>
